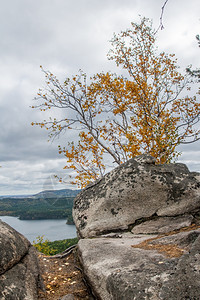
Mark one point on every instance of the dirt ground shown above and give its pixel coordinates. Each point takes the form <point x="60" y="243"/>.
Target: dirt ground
<point x="63" y="276"/>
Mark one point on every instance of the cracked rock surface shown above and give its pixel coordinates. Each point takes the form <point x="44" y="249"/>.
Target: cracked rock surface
<point x="19" y="269"/>
<point x="136" y="190"/>
<point x="136" y="267"/>
<point x="139" y="229"/>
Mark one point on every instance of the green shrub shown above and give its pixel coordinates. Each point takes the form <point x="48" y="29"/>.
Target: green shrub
<point x="41" y="245"/>
<point x="52" y="248"/>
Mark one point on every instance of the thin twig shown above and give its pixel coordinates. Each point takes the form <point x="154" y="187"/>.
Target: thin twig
<point x="65" y="253"/>
<point x="161" y="26"/>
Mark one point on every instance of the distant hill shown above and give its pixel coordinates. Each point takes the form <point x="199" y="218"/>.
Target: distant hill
<point x="57" y="193"/>
<point x="15" y="196"/>
<point x="52" y="204"/>
<point x="47" y="194"/>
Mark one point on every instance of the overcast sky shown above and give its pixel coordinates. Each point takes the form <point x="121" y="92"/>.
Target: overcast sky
<point x="64" y="36"/>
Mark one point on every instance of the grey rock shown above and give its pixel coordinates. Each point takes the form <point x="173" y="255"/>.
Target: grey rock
<point x="136" y="190"/>
<point x="68" y="297"/>
<point x="117" y="271"/>
<point x="182" y="239"/>
<point x="185" y="281"/>
<point x="163" y="224"/>
<point x="147" y="206"/>
<point x="20" y="275"/>
<point x="13" y="246"/>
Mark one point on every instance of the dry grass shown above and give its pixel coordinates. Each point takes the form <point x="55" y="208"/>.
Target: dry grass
<point x="169" y="250"/>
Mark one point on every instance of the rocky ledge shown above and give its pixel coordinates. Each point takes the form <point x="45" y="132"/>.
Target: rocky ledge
<point x="139" y="232"/>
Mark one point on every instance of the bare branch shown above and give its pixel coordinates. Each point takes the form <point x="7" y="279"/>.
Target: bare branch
<point x="161" y="26"/>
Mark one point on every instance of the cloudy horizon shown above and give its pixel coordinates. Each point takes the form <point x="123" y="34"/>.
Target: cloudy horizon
<point x="64" y="36"/>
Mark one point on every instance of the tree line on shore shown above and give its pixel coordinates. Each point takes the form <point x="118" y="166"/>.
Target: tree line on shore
<point x="38" y="208"/>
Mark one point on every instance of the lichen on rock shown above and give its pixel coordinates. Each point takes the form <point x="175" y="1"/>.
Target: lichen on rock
<point x="139" y="229"/>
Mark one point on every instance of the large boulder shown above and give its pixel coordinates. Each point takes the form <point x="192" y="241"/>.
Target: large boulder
<point x="139" y="229"/>
<point x="19" y="269"/>
<point x="136" y="191"/>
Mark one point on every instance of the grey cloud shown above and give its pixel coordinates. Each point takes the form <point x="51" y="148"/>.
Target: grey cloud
<point x="65" y="36"/>
<point x="30" y="177"/>
<point x="190" y="155"/>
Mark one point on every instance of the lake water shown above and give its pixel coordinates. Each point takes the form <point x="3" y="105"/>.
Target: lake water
<point x="51" y="229"/>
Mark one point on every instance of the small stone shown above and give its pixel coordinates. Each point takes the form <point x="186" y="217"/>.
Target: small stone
<point x="68" y="297"/>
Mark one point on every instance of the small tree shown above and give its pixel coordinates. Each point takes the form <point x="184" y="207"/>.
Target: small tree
<point x="119" y="117"/>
